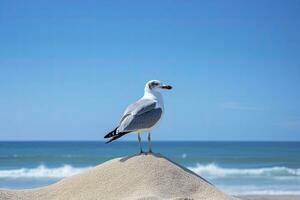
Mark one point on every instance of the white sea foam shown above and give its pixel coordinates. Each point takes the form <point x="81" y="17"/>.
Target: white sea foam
<point x="41" y="172"/>
<point x="209" y="170"/>
<point x="260" y="190"/>
<point x="212" y="170"/>
<point x="265" y="192"/>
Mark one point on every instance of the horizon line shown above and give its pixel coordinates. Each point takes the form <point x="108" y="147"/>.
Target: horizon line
<point x="152" y="141"/>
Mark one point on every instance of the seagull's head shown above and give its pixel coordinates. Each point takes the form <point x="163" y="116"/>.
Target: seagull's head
<point x="155" y="85"/>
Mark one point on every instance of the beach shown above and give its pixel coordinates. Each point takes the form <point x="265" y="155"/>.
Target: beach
<point x="235" y="168"/>
<point x="270" y="197"/>
<point x="143" y="176"/>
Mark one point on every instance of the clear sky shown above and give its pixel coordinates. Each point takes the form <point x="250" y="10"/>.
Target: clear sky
<point x="68" y="69"/>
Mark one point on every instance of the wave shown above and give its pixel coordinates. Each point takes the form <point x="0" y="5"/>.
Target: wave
<point x="265" y="192"/>
<point x="260" y="189"/>
<point x="208" y="171"/>
<point x="41" y="172"/>
<point x="212" y="170"/>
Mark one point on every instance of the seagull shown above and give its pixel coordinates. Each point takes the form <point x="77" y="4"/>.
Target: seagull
<point x="143" y="115"/>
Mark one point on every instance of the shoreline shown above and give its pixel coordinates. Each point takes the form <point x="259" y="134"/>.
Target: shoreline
<point x="268" y="197"/>
<point x="125" y="178"/>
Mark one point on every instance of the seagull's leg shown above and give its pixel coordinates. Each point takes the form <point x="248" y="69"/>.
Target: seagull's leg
<point x="149" y="142"/>
<point x="139" y="137"/>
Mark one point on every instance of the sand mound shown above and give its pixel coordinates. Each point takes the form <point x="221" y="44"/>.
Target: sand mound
<point x="136" y="177"/>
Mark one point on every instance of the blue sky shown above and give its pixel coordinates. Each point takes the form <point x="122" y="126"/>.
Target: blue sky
<point x="68" y="69"/>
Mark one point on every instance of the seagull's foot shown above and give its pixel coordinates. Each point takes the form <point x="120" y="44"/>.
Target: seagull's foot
<point x="150" y="151"/>
<point x="141" y="152"/>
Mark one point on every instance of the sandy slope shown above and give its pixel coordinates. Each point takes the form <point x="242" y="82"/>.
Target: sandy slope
<point x="136" y="177"/>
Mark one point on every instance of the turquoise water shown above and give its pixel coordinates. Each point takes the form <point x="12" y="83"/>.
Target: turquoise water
<point x="235" y="167"/>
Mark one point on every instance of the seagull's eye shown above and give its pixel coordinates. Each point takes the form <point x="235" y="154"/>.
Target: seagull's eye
<point x="153" y="85"/>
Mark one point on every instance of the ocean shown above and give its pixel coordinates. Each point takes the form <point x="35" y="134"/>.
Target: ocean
<point x="234" y="167"/>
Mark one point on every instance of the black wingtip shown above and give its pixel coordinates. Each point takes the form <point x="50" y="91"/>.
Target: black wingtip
<point x="109" y="141"/>
<point x="117" y="136"/>
<point x="112" y="133"/>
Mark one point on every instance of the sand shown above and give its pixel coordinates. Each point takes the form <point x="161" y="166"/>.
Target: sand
<point x="270" y="197"/>
<point x="136" y="177"/>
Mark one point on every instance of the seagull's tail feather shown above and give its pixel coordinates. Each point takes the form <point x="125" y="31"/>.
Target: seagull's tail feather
<point x="112" y="133"/>
<point x="117" y="136"/>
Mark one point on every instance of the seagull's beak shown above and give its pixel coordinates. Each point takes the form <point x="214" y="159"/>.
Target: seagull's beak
<point x="166" y="87"/>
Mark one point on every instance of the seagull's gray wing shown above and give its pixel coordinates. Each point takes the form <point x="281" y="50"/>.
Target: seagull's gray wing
<point x="140" y="115"/>
<point x="139" y="107"/>
<point x="142" y="121"/>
